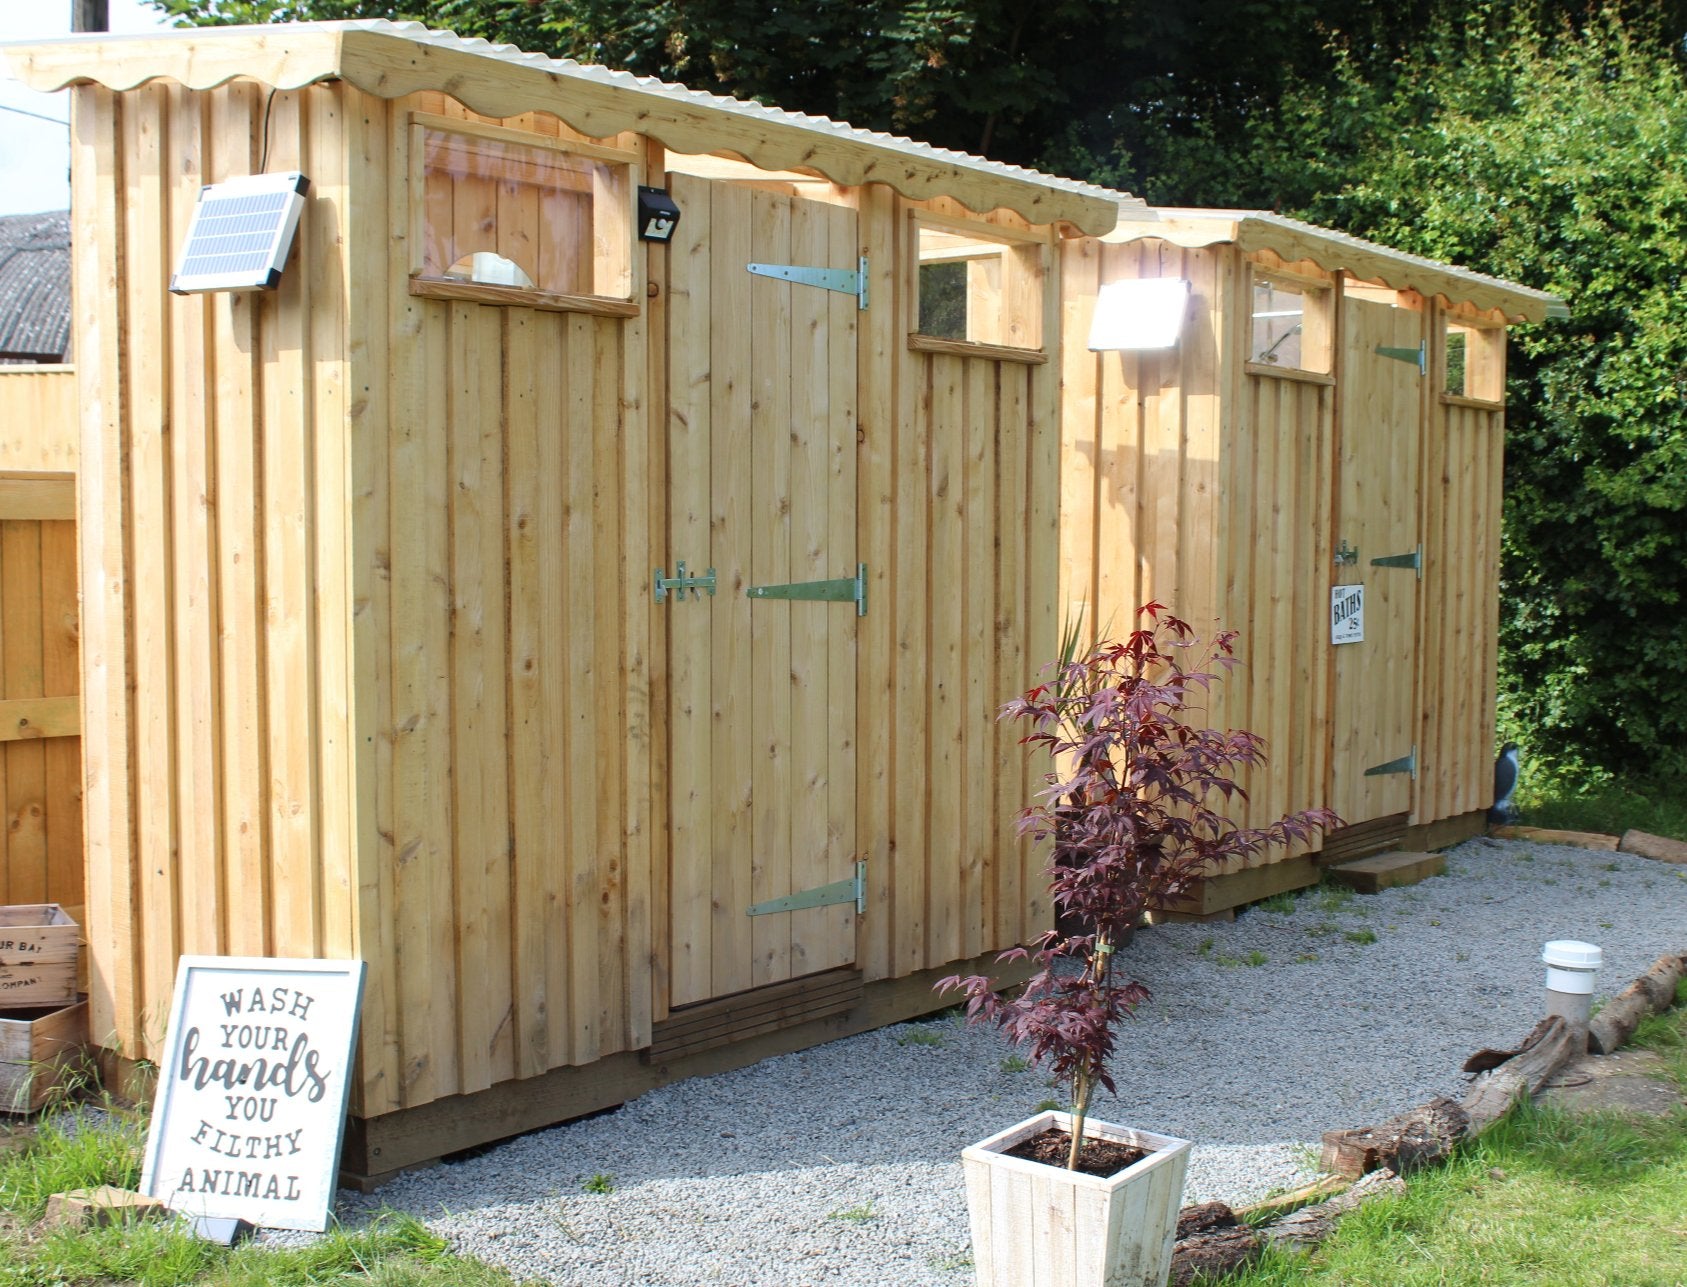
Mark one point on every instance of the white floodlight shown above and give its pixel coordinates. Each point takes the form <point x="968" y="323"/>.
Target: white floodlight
<point x="1142" y="313"/>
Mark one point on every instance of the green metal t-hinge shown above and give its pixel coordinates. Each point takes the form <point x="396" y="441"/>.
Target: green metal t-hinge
<point x="853" y="889"/>
<point x="1418" y="357"/>
<point x="845" y="589"/>
<point x="1405" y="764"/>
<point x="1414" y="560"/>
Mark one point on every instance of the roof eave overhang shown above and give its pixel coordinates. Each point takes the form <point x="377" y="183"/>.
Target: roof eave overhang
<point x="388" y="64"/>
<point x="1333" y="252"/>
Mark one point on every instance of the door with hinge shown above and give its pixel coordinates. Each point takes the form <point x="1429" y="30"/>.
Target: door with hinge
<point x="761" y="459"/>
<point x="1373" y="760"/>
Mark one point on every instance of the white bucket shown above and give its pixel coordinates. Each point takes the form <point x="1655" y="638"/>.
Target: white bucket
<point x="1571" y="966"/>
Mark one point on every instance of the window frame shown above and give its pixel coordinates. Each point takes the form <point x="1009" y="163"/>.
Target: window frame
<point x="1026" y="257"/>
<point x="1484" y="362"/>
<point x="620" y="212"/>
<point x="1317" y="328"/>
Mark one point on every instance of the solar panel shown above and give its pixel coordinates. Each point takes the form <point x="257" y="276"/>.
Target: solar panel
<point x="240" y="234"/>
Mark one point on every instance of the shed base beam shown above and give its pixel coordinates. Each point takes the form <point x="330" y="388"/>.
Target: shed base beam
<point x="377" y="1149"/>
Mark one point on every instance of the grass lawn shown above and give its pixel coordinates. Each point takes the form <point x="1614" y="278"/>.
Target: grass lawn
<point x="397" y="1251"/>
<point x="1570" y="802"/>
<point x="1543" y="1199"/>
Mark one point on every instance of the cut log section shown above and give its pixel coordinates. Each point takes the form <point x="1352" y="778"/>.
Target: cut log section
<point x="1416" y="1138"/>
<point x="1304" y="1229"/>
<point x="1543" y="1052"/>
<point x="1212" y="1254"/>
<point x="1204" y="1217"/>
<point x="1652" y="992"/>
<point x="1646" y="845"/>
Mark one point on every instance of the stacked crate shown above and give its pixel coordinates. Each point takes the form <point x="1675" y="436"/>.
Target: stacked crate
<point x="43" y="1021"/>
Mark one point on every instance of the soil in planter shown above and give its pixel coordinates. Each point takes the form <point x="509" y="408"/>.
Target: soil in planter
<point x="1097" y="1157"/>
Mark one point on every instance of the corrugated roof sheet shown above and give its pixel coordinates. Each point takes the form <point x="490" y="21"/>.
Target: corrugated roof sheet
<point x="1265" y="229"/>
<point x="35" y="286"/>
<point x="390" y="59"/>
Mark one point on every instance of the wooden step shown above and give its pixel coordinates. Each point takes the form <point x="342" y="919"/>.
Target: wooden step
<point x="1385" y="871"/>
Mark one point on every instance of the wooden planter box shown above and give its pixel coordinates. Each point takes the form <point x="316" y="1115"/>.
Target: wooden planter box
<point x="38" y="1048"/>
<point x="38" y="948"/>
<point x="1033" y="1223"/>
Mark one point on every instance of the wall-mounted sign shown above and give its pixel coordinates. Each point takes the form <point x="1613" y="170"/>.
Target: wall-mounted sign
<point x="251" y="1105"/>
<point x="1347" y="614"/>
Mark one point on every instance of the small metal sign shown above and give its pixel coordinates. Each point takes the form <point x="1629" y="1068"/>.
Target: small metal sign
<point x="1347" y="614"/>
<point x="251" y="1105"/>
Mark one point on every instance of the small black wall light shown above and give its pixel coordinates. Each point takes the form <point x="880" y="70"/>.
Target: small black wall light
<point x="658" y="216"/>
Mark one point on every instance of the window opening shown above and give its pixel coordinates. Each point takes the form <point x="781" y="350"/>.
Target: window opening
<point x="1290" y="325"/>
<point x="502" y="208"/>
<point x="1474" y="362"/>
<point x="975" y="289"/>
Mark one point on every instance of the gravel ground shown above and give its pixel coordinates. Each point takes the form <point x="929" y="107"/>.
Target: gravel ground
<point x="840" y="1164"/>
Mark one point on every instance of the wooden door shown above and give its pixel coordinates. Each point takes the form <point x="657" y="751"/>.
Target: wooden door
<point x="761" y="488"/>
<point x="1377" y="515"/>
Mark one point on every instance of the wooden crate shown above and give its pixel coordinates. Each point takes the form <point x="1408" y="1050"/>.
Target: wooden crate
<point x="38" y="950"/>
<point x="38" y="1047"/>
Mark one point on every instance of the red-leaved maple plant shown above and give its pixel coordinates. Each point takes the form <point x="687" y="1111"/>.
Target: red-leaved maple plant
<point x="1136" y="808"/>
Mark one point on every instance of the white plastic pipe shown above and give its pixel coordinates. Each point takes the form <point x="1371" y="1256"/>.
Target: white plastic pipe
<point x="1571" y="968"/>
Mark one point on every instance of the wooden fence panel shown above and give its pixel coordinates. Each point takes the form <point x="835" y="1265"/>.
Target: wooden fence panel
<point x="40" y="712"/>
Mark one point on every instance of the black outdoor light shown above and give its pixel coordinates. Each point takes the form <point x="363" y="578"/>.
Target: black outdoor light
<point x="658" y="216"/>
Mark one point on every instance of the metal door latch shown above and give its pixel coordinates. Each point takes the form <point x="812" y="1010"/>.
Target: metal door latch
<point x="1346" y="554"/>
<point x="677" y="584"/>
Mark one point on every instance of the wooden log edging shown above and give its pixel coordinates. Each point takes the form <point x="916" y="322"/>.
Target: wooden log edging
<point x="1212" y="1239"/>
<point x="1652" y="993"/>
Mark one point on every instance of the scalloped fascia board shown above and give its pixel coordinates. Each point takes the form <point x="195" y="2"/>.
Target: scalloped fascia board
<point x="390" y="61"/>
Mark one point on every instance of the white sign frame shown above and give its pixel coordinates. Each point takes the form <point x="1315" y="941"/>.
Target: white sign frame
<point x="1347" y="625"/>
<point x="269" y="1159"/>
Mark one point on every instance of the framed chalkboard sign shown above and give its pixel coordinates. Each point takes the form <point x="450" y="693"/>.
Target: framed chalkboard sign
<point x="250" y="1111"/>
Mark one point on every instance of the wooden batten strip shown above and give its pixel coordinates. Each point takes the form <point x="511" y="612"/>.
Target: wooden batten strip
<point x="30" y="718"/>
<point x="841" y="933"/>
<point x="765" y="460"/>
<point x="880" y="368"/>
<point x="193" y="553"/>
<point x="37" y="498"/>
<point x="643" y="414"/>
<point x="145" y="126"/>
<point x="235" y="397"/>
<point x="334" y="110"/>
<point x="945" y="716"/>
<point x="101" y="260"/>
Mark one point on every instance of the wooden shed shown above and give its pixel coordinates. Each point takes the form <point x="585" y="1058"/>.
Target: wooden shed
<point x="599" y="638"/>
<point x="1331" y="415"/>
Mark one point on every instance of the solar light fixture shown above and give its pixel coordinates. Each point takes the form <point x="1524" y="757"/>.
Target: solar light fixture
<point x="240" y="234"/>
<point x="658" y="216"/>
<point x="1143" y="313"/>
